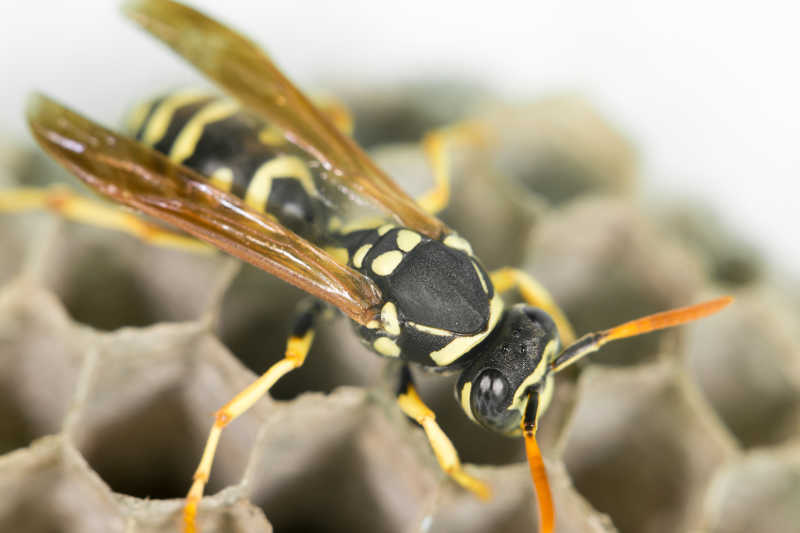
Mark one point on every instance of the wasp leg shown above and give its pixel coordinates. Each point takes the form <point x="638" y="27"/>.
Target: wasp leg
<point x="71" y="206"/>
<point x="436" y="147"/>
<point x="505" y="279"/>
<point x="412" y="405"/>
<point x="297" y="348"/>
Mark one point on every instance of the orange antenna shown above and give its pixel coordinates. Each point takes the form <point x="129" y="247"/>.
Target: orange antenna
<point x="547" y="515"/>
<point x="585" y="345"/>
<point x="592" y="342"/>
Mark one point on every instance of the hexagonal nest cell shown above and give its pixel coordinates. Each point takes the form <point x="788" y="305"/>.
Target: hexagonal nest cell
<point x="114" y="355"/>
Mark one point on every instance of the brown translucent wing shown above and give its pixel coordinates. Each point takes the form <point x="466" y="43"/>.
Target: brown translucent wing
<point x="133" y="174"/>
<point x="247" y="73"/>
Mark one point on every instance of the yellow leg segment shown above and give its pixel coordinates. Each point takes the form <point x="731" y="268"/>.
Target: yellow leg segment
<point x="296" y="350"/>
<point x="508" y="278"/>
<point x="436" y="146"/>
<point x="74" y="207"/>
<point x="412" y="405"/>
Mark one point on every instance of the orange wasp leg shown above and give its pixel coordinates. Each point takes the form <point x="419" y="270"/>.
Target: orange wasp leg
<point x="447" y="456"/>
<point x="297" y="348"/>
<point x="436" y="146"/>
<point x="534" y="293"/>
<point x="76" y="208"/>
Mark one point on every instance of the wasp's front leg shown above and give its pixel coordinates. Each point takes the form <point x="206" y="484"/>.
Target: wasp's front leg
<point x="447" y="456"/>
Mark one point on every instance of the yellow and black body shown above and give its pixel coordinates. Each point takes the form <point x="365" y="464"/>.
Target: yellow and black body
<point x="246" y="176"/>
<point x="238" y="152"/>
<point x="439" y="308"/>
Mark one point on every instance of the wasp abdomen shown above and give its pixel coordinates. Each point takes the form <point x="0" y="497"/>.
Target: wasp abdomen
<point x="238" y="152"/>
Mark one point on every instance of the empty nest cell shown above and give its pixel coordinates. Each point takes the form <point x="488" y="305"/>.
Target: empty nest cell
<point x="114" y="355"/>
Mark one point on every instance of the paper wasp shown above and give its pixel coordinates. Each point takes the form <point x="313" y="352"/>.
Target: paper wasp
<point x="246" y="176"/>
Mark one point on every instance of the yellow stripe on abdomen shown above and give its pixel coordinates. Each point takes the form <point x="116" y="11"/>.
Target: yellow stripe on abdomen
<point x="281" y="167"/>
<point x="222" y="179"/>
<point x="187" y="139"/>
<point x="162" y="117"/>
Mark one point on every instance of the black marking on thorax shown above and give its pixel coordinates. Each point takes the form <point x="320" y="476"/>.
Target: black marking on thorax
<point x="438" y="293"/>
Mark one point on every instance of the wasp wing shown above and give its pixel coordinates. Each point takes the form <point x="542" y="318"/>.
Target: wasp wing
<point x="247" y="73"/>
<point x="135" y="175"/>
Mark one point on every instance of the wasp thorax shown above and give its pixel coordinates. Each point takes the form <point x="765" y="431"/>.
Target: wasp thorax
<point x="509" y="363"/>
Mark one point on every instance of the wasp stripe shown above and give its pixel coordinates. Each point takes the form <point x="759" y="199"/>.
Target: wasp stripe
<point x="215" y="137"/>
<point x="390" y="320"/>
<point x="281" y="167"/>
<point x="222" y="178"/>
<point x="361" y="253"/>
<point x="407" y="239"/>
<point x="186" y="141"/>
<point x="139" y="116"/>
<point x="461" y="345"/>
<point x="272" y="135"/>
<point x="162" y="116"/>
<point x="386" y="347"/>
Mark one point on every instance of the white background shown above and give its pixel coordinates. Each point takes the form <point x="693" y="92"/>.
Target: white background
<point x="709" y="91"/>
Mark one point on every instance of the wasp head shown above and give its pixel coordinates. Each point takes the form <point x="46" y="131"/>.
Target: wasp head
<point x="510" y="367"/>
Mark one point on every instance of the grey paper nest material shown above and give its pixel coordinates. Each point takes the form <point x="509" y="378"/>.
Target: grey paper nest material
<point x="114" y="356"/>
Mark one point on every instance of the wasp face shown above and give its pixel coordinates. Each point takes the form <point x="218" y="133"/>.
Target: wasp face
<point x="507" y="367"/>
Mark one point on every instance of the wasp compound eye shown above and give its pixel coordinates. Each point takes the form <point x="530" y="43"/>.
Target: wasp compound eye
<point x="491" y="395"/>
<point x="492" y="391"/>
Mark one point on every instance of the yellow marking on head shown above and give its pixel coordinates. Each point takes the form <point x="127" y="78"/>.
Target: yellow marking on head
<point x="466" y="405"/>
<point x="386" y="346"/>
<point x="480" y="277"/>
<point x="187" y="139"/>
<point x="258" y="191"/>
<point x="384" y="264"/>
<point x="136" y="117"/>
<point x="430" y="330"/>
<point x="391" y="323"/>
<point x="545" y="396"/>
<point x="339" y="254"/>
<point x="361" y="253"/>
<point x="159" y="121"/>
<point x="535" y="376"/>
<point x="407" y="239"/>
<point x="459" y="243"/>
<point x="461" y="345"/>
<point x="373" y="324"/>
<point x="385" y="229"/>
<point x="222" y="179"/>
<point x="271" y="135"/>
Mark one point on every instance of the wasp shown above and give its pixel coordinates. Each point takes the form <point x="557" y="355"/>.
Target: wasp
<point x="247" y="176"/>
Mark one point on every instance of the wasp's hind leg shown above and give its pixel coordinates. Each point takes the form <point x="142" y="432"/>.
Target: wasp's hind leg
<point x="297" y="348"/>
<point x="413" y="406"/>
<point x="72" y="206"/>
<point x="436" y="145"/>
<point x="534" y="293"/>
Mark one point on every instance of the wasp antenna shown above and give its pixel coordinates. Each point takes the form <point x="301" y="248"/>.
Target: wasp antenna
<point x="547" y="515"/>
<point x="592" y="342"/>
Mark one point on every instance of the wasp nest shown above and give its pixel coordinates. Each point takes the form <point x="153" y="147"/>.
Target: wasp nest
<point x="114" y="355"/>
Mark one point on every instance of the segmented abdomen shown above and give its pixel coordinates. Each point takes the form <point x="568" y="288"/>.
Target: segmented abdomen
<point x="238" y="152"/>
